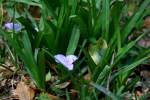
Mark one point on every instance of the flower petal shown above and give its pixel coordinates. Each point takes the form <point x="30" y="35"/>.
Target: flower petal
<point x="10" y="26"/>
<point x="71" y="58"/>
<point x="66" y="61"/>
<point x="59" y="58"/>
<point x="69" y="66"/>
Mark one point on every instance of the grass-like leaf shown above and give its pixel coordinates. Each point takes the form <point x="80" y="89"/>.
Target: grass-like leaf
<point x="74" y="39"/>
<point x="133" y="21"/>
<point x="104" y="90"/>
<point x="105" y="18"/>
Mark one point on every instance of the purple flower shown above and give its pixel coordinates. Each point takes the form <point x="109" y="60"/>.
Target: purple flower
<point x="10" y="26"/>
<point x="67" y="61"/>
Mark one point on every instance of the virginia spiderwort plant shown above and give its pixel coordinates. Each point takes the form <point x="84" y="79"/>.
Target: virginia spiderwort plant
<point x="67" y="61"/>
<point x="10" y="26"/>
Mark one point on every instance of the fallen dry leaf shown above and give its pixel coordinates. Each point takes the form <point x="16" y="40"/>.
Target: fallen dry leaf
<point x="54" y="97"/>
<point x="145" y="43"/>
<point x="87" y="77"/>
<point x="147" y="22"/>
<point x="73" y="94"/>
<point x="24" y="92"/>
<point x="52" y="66"/>
<point x="138" y="93"/>
<point x="63" y="85"/>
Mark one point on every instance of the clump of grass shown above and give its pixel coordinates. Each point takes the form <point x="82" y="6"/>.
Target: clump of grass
<point x="96" y="31"/>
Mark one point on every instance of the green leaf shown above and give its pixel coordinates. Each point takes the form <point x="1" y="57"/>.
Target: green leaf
<point x="90" y="62"/>
<point x="105" y="17"/>
<point x="43" y="96"/>
<point x="29" y="2"/>
<point x="130" y="67"/>
<point x="116" y="13"/>
<point x="122" y="51"/>
<point x="102" y="75"/>
<point x="104" y="90"/>
<point x="73" y="6"/>
<point x="133" y="21"/>
<point x="48" y="76"/>
<point x="97" y="50"/>
<point x="41" y="69"/>
<point x="73" y="42"/>
<point x="24" y="51"/>
<point x="67" y="95"/>
<point x="81" y="24"/>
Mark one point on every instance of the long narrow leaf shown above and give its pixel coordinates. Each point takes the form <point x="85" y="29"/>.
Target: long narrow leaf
<point x="105" y="18"/>
<point x="131" y="24"/>
<point x="130" y="67"/>
<point x="73" y="43"/>
<point x="104" y="90"/>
